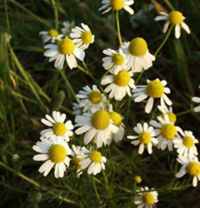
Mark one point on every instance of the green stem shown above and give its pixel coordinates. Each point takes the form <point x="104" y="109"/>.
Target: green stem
<point x="164" y="41"/>
<point x="68" y="84"/>
<point x="53" y="2"/>
<point x="35" y="183"/>
<point x="86" y="72"/>
<point x="185" y="112"/>
<point x="95" y="189"/>
<point x="169" y="4"/>
<point x="118" y="28"/>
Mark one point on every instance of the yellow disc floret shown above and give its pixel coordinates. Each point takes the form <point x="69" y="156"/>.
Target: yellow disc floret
<point x="76" y="162"/>
<point x="193" y="168"/>
<point x="100" y="119"/>
<point x="172" y="117"/>
<point x="87" y="37"/>
<point x="118" y="59"/>
<point x="138" y="47"/>
<point x="57" y="153"/>
<point x="95" y="97"/>
<point x="137" y="179"/>
<point x="117" y="4"/>
<point x="188" y="142"/>
<point x="116" y="118"/>
<point x="155" y="89"/>
<point x="67" y="46"/>
<point x="53" y="33"/>
<point x="96" y="156"/>
<point x="122" y="78"/>
<point x="176" y="17"/>
<point x="149" y="198"/>
<point x="168" y="131"/>
<point x="145" y="137"/>
<point x="59" y="129"/>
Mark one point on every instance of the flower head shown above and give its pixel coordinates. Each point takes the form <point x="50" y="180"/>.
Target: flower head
<point x="52" y="35"/>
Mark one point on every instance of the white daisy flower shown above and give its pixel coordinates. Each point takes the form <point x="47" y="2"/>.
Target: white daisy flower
<point x="191" y="167"/>
<point x="114" y="61"/>
<point x="65" y="49"/>
<point x="91" y="99"/>
<point x="79" y="153"/>
<point x="58" y="127"/>
<point x="145" y="138"/>
<point x="55" y="153"/>
<point x="167" y="132"/>
<point x="138" y="56"/>
<point x="155" y="89"/>
<point x="51" y="35"/>
<point x="168" y="111"/>
<point x="119" y="85"/>
<point x="186" y="146"/>
<point x="116" y="5"/>
<point x="117" y="120"/>
<point x="97" y="126"/>
<point x="67" y="26"/>
<point x="94" y="162"/>
<point x="176" y="19"/>
<point x="196" y="100"/>
<point x="82" y="36"/>
<point x="146" y="198"/>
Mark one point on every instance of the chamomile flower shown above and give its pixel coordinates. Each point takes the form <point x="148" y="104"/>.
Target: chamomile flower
<point x="186" y="146"/>
<point x="146" y="198"/>
<point x="117" y="120"/>
<point x="190" y="167"/>
<point x="167" y="132"/>
<point x="55" y="152"/>
<point x="168" y="111"/>
<point x="145" y="138"/>
<point x="82" y="36"/>
<point x="64" y="50"/>
<point x="58" y="127"/>
<point x="114" y="61"/>
<point x="175" y="19"/>
<point x="138" y="56"/>
<point x="52" y="35"/>
<point x="91" y="99"/>
<point x="196" y="100"/>
<point x="94" y="162"/>
<point x="78" y="153"/>
<point x="155" y="89"/>
<point x="119" y="85"/>
<point x="97" y="126"/>
<point x="67" y="26"/>
<point x="116" y="5"/>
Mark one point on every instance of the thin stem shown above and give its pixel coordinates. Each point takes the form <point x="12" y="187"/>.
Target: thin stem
<point x="35" y="183"/>
<point x="95" y="189"/>
<point x="55" y="13"/>
<point x="68" y="84"/>
<point x="169" y="4"/>
<point x="86" y="72"/>
<point x="118" y="28"/>
<point x="185" y="112"/>
<point x="164" y="41"/>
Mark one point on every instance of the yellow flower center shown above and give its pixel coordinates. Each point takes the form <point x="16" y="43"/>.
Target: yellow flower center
<point x="172" y="117"/>
<point x="137" y="179"/>
<point x="53" y="33"/>
<point x="188" y="142"/>
<point x="149" y="198"/>
<point x="118" y="59"/>
<point x="116" y="118"/>
<point x="67" y="46"/>
<point x="59" y="129"/>
<point x="96" y="156"/>
<point x="122" y="78"/>
<point x="138" y="47"/>
<point x="87" y="37"/>
<point x="155" y="89"/>
<point x="117" y="4"/>
<point x="176" y="17"/>
<point x="95" y="97"/>
<point x="193" y="168"/>
<point x="76" y="162"/>
<point x="145" y="137"/>
<point x="100" y="119"/>
<point x="57" y="153"/>
<point x="168" y="131"/>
